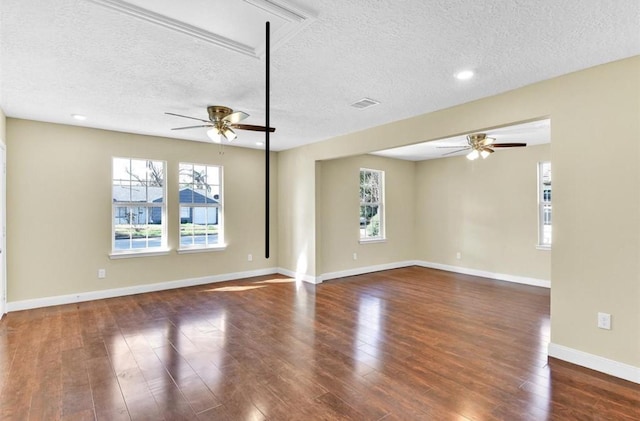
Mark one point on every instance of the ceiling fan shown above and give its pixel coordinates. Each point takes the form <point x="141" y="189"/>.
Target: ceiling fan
<point x="222" y="121"/>
<point x="481" y="146"/>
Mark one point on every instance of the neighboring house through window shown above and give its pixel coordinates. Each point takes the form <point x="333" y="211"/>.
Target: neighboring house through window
<point x="200" y="206"/>
<point x="139" y="206"/>
<point x="371" y="204"/>
<point x="544" y="204"/>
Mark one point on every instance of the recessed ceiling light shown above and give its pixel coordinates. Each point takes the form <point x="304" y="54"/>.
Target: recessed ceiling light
<point x="259" y="143"/>
<point x="464" y="75"/>
<point x="79" y="117"/>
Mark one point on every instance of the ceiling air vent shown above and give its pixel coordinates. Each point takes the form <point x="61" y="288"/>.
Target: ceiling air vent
<point x="365" y="103"/>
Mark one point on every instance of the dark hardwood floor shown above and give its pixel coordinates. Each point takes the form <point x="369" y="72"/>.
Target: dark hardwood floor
<point x="405" y="344"/>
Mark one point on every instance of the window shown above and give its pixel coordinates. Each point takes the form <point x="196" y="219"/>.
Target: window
<point x="139" y="205"/>
<point x="544" y="204"/>
<point x="200" y="206"/>
<point x="371" y="204"/>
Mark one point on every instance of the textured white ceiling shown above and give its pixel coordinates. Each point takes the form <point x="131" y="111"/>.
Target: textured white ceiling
<point x="59" y="57"/>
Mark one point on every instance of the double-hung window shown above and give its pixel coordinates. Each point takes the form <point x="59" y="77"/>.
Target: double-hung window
<point x="371" y="204"/>
<point x="544" y="204"/>
<point x="138" y="206"/>
<point x="200" y="206"/>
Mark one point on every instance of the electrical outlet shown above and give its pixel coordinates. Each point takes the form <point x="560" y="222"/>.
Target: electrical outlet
<point x="458" y="255"/>
<point x="102" y="273"/>
<point x="250" y="257"/>
<point x="604" y="321"/>
<point x="355" y="256"/>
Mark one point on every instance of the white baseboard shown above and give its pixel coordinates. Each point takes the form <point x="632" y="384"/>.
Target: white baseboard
<point x="300" y="276"/>
<point x="595" y="362"/>
<point x="365" y="269"/>
<point x="136" y="289"/>
<point x="485" y="274"/>
<point x="139" y="289"/>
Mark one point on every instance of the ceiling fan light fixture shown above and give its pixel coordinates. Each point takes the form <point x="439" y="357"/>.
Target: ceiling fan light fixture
<point x="214" y="135"/>
<point x="484" y="153"/>
<point x="473" y="155"/>
<point x="229" y="134"/>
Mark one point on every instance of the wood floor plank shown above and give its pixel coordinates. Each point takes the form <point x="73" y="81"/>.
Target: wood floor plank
<point x="402" y="344"/>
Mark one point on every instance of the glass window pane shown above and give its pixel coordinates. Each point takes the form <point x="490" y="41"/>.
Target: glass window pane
<point x="138" y="170"/>
<point x="155" y="215"/>
<point x="186" y="193"/>
<point x="186" y="174"/>
<point x="121" y="169"/>
<point x="185" y="214"/>
<point x="214" y="194"/>
<point x="154" y="234"/>
<point x="155" y="173"/>
<point x="186" y="240"/>
<point x="200" y="196"/>
<point x="155" y="194"/>
<point x="138" y="191"/>
<point x="186" y="227"/>
<point x="123" y="231"/>
<point x="213" y="175"/>
<point x="121" y="193"/>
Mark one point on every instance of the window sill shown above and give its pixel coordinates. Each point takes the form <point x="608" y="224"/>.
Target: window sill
<point x="543" y="247"/>
<point x="373" y="240"/>
<point x="141" y="253"/>
<point x="187" y="250"/>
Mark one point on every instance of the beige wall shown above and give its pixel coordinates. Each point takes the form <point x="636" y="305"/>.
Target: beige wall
<point x="296" y="212"/>
<point x="339" y="212"/>
<point x="484" y="209"/>
<point x="59" y="210"/>
<point x="595" y="263"/>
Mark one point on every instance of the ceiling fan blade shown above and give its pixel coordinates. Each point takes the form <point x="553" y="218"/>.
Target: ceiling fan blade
<point x="186" y="116"/>
<point x="192" y="127"/>
<point x="452" y="152"/>
<point x="235" y="117"/>
<point x="458" y="146"/>
<point x="487" y="141"/>
<point x="252" y="127"/>
<point x="507" y="145"/>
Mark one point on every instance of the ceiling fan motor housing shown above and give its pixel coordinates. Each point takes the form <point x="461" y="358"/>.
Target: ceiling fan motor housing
<point x="218" y="112"/>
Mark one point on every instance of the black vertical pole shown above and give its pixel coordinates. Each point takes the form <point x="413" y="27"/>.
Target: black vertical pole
<point x="266" y="153"/>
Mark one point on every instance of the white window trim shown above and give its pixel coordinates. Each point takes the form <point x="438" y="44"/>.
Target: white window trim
<point x="201" y="249"/>
<point x="372" y="240"/>
<point x="143" y="252"/>
<point x="126" y="254"/>
<point x="381" y="237"/>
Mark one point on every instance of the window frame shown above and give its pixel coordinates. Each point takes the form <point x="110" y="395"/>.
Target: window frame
<point x="140" y="251"/>
<point x="545" y="206"/>
<point x="220" y="244"/>
<point x="380" y="204"/>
